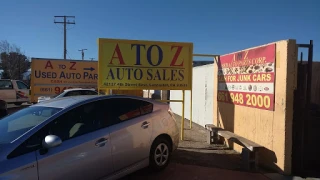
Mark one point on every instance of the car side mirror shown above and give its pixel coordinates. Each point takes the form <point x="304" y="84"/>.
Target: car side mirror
<point x="51" y="141"/>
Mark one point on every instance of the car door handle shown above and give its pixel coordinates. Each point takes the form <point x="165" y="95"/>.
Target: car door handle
<point x="145" y="125"/>
<point x="101" y="142"/>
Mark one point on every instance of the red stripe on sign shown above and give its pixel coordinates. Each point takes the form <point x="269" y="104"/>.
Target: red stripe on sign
<point x="244" y="78"/>
<point x="254" y="100"/>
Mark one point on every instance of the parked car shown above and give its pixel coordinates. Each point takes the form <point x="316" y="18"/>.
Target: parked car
<point x="87" y="137"/>
<point x="70" y="92"/>
<point x="14" y="91"/>
<point x="3" y="108"/>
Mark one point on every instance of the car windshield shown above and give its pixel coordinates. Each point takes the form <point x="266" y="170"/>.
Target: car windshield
<point x="16" y="124"/>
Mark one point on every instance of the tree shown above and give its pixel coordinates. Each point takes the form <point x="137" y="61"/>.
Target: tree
<point x="5" y="46"/>
<point x="5" y="75"/>
<point x="13" y="61"/>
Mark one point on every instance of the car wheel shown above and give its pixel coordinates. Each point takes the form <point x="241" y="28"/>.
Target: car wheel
<point x="160" y="154"/>
<point x="17" y="103"/>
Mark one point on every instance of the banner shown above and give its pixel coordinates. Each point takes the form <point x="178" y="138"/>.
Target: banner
<point x="134" y="65"/>
<point x="247" y="78"/>
<point x="50" y="77"/>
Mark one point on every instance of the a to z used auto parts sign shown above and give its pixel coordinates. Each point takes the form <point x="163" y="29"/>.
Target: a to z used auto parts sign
<point x="51" y="76"/>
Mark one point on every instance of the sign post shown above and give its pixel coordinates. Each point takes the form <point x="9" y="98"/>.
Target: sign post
<point x="138" y="65"/>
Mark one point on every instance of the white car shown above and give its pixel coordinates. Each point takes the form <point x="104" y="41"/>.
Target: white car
<point x="69" y="92"/>
<point x="86" y="138"/>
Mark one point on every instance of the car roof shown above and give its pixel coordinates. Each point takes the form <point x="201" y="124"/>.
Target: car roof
<point x="72" y="100"/>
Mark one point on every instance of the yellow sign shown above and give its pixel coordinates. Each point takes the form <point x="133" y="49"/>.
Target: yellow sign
<point x="50" y="77"/>
<point x="132" y="64"/>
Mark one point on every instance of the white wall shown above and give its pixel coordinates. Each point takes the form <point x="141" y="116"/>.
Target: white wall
<point x="202" y="96"/>
<point x="149" y="93"/>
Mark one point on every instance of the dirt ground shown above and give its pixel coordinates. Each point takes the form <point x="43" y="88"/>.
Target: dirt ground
<point x="194" y="150"/>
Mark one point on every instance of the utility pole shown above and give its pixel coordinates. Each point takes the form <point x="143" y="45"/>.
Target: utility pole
<point x="82" y="53"/>
<point x="92" y="59"/>
<point x="65" y="23"/>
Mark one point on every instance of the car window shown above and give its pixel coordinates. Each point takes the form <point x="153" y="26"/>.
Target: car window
<point x="31" y="144"/>
<point x="73" y="93"/>
<point x="118" y="110"/>
<point x="146" y="107"/>
<point x="16" y="124"/>
<point x="76" y="122"/>
<point x="21" y="85"/>
<point x="89" y="92"/>
<point x="5" y="84"/>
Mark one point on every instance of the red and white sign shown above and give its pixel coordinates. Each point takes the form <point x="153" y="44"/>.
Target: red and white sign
<point x="247" y="78"/>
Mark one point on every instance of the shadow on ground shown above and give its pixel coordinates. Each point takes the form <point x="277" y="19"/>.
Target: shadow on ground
<point x="194" y="150"/>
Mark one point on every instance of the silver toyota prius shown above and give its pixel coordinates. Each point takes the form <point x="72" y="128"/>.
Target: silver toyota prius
<point x="87" y="137"/>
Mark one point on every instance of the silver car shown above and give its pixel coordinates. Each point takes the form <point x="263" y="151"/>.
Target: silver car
<point x="69" y="92"/>
<point x="86" y="137"/>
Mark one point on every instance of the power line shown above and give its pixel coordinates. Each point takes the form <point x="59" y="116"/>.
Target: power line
<point x="65" y="23"/>
<point x="69" y="55"/>
<point x="82" y="52"/>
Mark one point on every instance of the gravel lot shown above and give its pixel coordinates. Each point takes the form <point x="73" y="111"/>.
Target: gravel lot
<point x="195" y="151"/>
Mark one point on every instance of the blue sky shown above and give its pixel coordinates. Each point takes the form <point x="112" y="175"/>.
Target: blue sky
<point x="215" y="27"/>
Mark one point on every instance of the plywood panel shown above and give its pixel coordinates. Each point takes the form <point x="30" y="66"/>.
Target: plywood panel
<point x="272" y="129"/>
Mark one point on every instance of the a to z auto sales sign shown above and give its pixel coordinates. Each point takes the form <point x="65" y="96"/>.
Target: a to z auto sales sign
<point x="135" y="65"/>
<point x="247" y="78"/>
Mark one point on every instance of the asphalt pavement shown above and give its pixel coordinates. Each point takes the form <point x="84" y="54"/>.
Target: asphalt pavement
<point x="182" y="171"/>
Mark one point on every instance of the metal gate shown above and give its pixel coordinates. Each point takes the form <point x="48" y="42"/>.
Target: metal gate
<point x="306" y="122"/>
